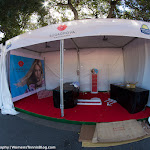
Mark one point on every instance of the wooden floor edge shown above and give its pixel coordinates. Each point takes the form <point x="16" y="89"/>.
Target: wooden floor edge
<point x="90" y="144"/>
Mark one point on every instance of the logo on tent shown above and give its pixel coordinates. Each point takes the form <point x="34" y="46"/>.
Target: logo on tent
<point x="21" y="63"/>
<point x="144" y="29"/>
<point x="8" y="45"/>
<point x="61" y="27"/>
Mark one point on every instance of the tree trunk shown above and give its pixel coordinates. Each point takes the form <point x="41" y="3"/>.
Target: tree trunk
<point x="112" y="8"/>
<point x="73" y="9"/>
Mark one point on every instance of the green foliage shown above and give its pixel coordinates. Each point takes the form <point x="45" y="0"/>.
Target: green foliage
<point x="139" y="9"/>
<point x="15" y="16"/>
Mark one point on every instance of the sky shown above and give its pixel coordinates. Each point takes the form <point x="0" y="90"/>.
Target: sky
<point x="1" y="35"/>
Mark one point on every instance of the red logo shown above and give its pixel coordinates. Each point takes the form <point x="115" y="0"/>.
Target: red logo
<point x="20" y="63"/>
<point x="61" y="27"/>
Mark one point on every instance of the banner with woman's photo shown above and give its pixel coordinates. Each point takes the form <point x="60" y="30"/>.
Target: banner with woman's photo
<point x="26" y="76"/>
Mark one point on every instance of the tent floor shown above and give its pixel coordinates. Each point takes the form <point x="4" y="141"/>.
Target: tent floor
<point x="80" y="114"/>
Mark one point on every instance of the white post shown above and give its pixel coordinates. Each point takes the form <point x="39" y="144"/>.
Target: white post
<point x="78" y="59"/>
<point x="61" y="77"/>
<point x="78" y="65"/>
<point x="108" y="77"/>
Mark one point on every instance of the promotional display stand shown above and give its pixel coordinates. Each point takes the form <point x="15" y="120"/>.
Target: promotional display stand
<point x="94" y="81"/>
<point x="95" y="100"/>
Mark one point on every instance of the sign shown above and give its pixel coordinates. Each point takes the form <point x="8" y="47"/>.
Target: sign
<point x="94" y="80"/>
<point x="26" y="76"/>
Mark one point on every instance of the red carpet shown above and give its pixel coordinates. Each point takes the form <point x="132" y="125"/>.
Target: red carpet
<point x="100" y="113"/>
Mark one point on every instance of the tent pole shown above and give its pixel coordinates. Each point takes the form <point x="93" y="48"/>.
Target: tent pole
<point x="78" y="59"/>
<point x="78" y="66"/>
<point x="61" y="77"/>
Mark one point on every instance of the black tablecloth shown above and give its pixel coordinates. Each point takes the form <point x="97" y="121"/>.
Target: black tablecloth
<point x="70" y="96"/>
<point x="132" y="99"/>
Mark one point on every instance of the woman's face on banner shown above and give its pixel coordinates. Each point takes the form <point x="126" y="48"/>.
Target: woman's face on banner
<point x="37" y="72"/>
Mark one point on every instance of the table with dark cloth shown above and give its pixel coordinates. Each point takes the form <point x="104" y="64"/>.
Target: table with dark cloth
<point x="71" y="94"/>
<point x="132" y="99"/>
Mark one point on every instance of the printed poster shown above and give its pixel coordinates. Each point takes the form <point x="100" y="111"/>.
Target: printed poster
<point x="26" y="76"/>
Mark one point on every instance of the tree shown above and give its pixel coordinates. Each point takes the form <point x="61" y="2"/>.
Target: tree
<point x="139" y="9"/>
<point x="15" y="16"/>
<point x="94" y="8"/>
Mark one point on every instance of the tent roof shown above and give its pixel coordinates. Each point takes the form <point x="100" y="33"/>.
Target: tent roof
<point x="114" y="33"/>
<point x="82" y="43"/>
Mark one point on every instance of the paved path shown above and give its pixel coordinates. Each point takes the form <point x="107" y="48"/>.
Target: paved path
<point x="23" y="130"/>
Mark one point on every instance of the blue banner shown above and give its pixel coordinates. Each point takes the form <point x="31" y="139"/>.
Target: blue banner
<point x="26" y="76"/>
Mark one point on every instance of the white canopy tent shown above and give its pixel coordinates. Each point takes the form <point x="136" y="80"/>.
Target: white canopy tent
<point x="118" y="48"/>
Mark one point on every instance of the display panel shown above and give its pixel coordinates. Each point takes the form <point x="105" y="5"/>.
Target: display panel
<point x="26" y="76"/>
